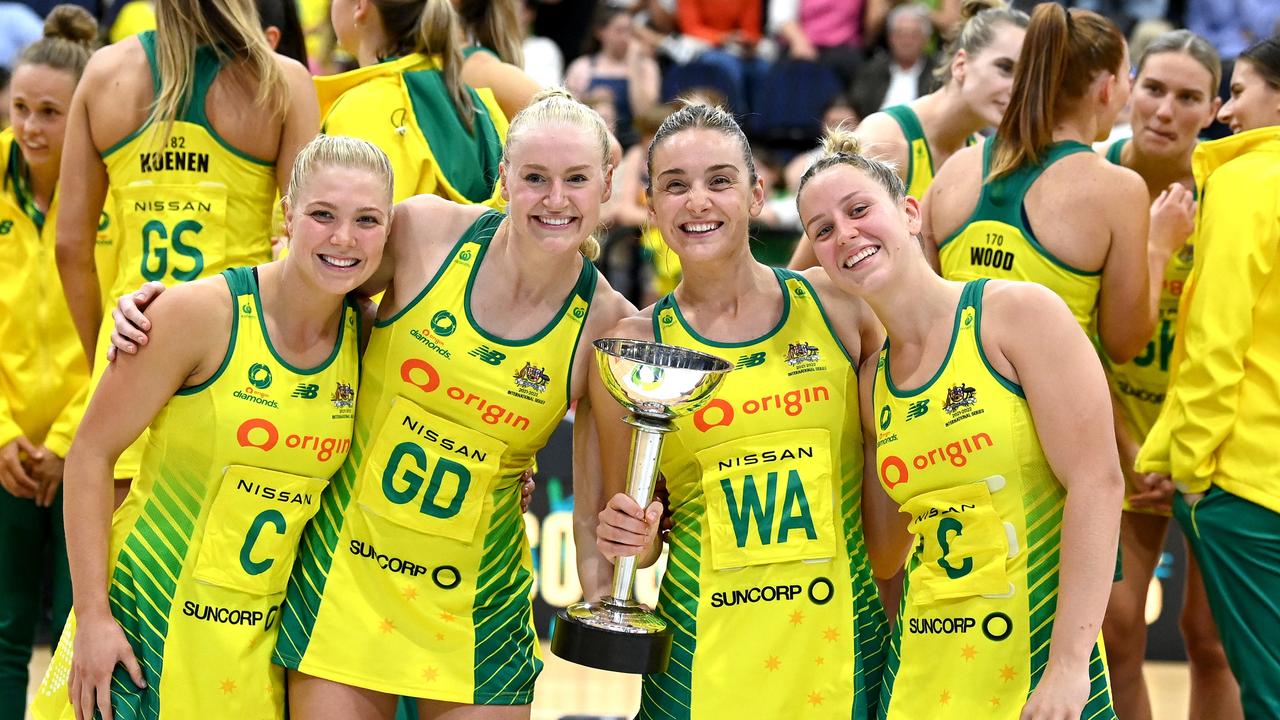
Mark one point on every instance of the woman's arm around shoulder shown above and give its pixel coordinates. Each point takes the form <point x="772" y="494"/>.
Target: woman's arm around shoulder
<point x="424" y="229"/>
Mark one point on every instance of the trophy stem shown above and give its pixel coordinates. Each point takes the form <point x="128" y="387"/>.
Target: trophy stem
<point x="646" y="450"/>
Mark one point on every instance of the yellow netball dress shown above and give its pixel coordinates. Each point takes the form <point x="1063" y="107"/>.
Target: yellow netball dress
<point x="919" y="158"/>
<point x="1139" y="385"/>
<point x="202" y="547"/>
<point x="403" y="106"/>
<point x="188" y="204"/>
<point x="768" y="586"/>
<point x="960" y="455"/>
<point x="415" y="578"/>
<point x="997" y="241"/>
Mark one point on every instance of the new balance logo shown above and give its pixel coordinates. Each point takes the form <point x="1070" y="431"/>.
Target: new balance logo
<point x="488" y="355"/>
<point x="751" y="360"/>
<point x="306" y="391"/>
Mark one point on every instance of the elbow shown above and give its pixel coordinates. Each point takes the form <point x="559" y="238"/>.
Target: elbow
<point x="1125" y="348"/>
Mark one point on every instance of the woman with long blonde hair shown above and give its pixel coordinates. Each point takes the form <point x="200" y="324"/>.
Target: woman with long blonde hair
<point x="193" y="127"/>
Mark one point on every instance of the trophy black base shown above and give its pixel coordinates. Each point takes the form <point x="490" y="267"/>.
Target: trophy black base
<point x="624" y="637"/>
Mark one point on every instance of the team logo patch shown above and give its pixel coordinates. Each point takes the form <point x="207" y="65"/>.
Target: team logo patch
<point x="1187" y="254"/>
<point x="886" y="417"/>
<point x="532" y="377"/>
<point x="343" y="396"/>
<point x="443" y="323"/>
<point x="960" y="399"/>
<point x="260" y="376"/>
<point x="801" y="352"/>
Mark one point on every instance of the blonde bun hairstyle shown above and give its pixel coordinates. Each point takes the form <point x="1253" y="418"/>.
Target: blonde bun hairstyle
<point x="70" y="37"/>
<point x="841" y="147"/>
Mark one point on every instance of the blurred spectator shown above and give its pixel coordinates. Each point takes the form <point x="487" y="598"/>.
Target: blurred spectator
<point x="825" y="31"/>
<point x="1127" y="13"/>
<point x="19" y="27"/>
<point x="565" y="22"/>
<point x="496" y="54"/>
<point x="779" y="211"/>
<point x="905" y="71"/>
<point x="542" y="59"/>
<point x="725" y="34"/>
<point x="944" y="15"/>
<point x="280" y="23"/>
<point x="1233" y="25"/>
<point x="4" y="97"/>
<point x="620" y="63"/>
<point x="840" y="111"/>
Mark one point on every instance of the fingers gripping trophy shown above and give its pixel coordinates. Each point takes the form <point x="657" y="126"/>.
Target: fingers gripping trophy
<point x="657" y="383"/>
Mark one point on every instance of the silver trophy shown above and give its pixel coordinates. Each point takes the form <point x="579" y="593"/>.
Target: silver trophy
<point x="657" y="383"/>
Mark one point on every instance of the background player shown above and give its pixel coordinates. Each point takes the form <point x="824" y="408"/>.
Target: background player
<point x="917" y="138"/>
<point x="1010" y="208"/>
<point x="43" y="374"/>
<point x="192" y="127"/>
<point x="1173" y="100"/>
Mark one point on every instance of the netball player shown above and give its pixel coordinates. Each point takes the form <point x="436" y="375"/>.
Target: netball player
<point x="988" y="418"/>
<point x="1035" y="203"/>
<point x="768" y="588"/>
<point x="976" y="79"/>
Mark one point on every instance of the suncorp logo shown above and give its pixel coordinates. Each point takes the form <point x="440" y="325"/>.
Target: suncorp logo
<point x="893" y="469"/>
<point x="722" y="413"/>
<point x="264" y="435"/>
<point x="420" y="374"/>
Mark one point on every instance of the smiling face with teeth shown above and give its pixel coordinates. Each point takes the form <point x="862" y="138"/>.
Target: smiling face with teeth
<point x="338" y="227"/>
<point x="39" y="96"/>
<point x="858" y="230"/>
<point x="702" y="195"/>
<point x="554" y="183"/>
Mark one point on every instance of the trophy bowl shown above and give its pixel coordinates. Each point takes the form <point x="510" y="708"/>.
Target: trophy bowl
<point x="657" y="383"/>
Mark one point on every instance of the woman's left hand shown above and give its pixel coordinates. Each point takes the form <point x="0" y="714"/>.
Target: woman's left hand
<point x="1061" y="695"/>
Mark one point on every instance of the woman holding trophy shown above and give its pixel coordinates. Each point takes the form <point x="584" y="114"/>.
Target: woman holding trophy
<point x="768" y="583"/>
<point x="419" y="552"/>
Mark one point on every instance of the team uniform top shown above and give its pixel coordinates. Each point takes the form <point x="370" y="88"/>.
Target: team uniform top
<point x="189" y="204"/>
<point x="997" y="240"/>
<point x="768" y="587"/>
<point x="919" y="158"/>
<point x="403" y="107"/>
<point x="202" y="546"/>
<point x="43" y="372"/>
<point x="920" y="169"/>
<point x="960" y="455"/>
<point x="420" y="553"/>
